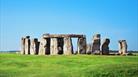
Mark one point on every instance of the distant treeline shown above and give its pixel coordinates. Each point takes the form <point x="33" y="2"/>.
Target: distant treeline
<point x="12" y="51"/>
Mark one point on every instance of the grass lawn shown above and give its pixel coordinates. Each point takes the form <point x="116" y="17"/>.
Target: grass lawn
<point x="15" y="65"/>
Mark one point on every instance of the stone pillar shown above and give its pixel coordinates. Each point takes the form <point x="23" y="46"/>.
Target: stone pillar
<point x="82" y="45"/>
<point x="68" y="47"/>
<point x="105" y="46"/>
<point x="22" y="45"/>
<point x="122" y="47"/>
<point x="60" y="45"/>
<point x="42" y="46"/>
<point x="54" y="46"/>
<point x="96" y="42"/>
<point x="27" y="45"/>
<point x="89" y="49"/>
<point x="34" y="47"/>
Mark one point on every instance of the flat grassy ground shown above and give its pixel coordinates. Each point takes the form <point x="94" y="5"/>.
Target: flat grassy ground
<point x="15" y="65"/>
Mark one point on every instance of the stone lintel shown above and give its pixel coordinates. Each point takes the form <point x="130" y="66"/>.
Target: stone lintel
<point x="62" y="35"/>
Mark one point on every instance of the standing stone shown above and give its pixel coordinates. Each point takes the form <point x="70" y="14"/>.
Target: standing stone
<point x="122" y="47"/>
<point x="68" y="47"/>
<point x="42" y="46"/>
<point x="96" y="43"/>
<point x="89" y="49"/>
<point x="47" y="45"/>
<point x="54" y="46"/>
<point x="60" y="45"/>
<point x="34" y="47"/>
<point x="22" y="45"/>
<point x="27" y="45"/>
<point x="105" y="46"/>
<point x="82" y="45"/>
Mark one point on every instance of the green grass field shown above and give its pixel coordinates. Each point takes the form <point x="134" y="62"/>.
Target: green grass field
<point x="15" y="65"/>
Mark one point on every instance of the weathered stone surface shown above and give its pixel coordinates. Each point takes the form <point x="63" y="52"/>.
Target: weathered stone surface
<point x="60" y="45"/>
<point x="22" y="45"/>
<point x="89" y="49"/>
<point x="68" y="47"/>
<point x="27" y="45"/>
<point x="96" y="42"/>
<point x="62" y="35"/>
<point x="48" y="43"/>
<point x="82" y="45"/>
<point x="42" y="46"/>
<point x="34" y="47"/>
<point x="54" y="46"/>
<point x="105" y="46"/>
<point x="122" y="47"/>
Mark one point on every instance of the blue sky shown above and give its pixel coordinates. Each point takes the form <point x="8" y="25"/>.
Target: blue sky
<point x="115" y="19"/>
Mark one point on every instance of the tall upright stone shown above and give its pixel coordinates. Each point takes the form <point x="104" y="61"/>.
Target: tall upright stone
<point x="122" y="47"/>
<point x="47" y="45"/>
<point x="68" y="47"/>
<point x="27" y="45"/>
<point x="105" y="46"/>
<point x="34" y="47"/>
<point x="89" y="49"/>
<point x="96" y="42"/>
<point x="54" y="46"/>
<point x="42" y="46"/>
<point x="82" y="45"/>
<point x="22" y="45"/>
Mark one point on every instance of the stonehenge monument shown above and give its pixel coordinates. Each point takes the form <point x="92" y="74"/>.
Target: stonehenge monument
<point x="122" y="47"/>
<point x="58" y="44"/>
<point x="105" y="46"/>
<point x="53" y="44"/>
